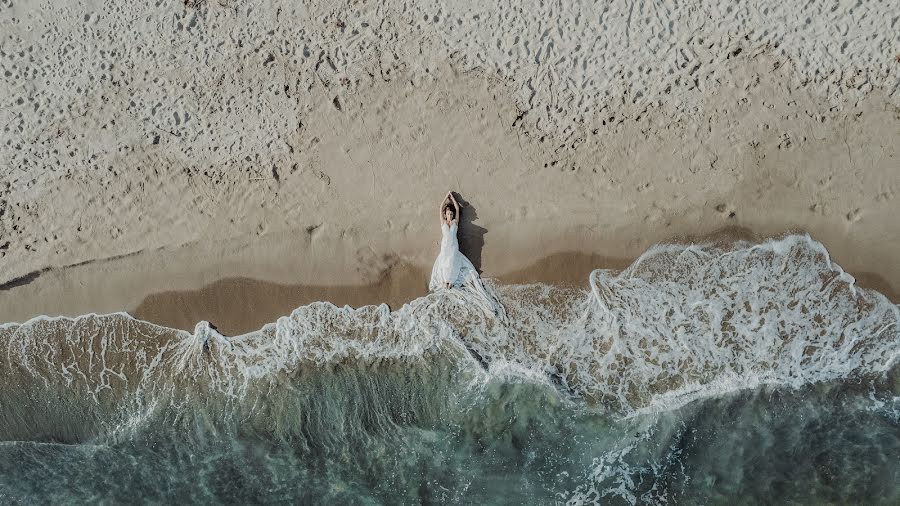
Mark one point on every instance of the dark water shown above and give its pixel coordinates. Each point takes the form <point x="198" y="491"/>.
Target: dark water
<point x="753" y="374"/>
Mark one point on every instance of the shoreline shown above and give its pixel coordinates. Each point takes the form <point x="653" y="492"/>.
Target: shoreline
<point x="164" y="288"/>
<point x="240" y="305"/>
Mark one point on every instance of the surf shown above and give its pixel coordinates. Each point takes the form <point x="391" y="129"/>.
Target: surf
<point x="569" y="376"/>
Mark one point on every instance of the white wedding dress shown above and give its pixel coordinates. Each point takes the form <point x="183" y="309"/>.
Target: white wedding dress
<point x="453" y="267"/>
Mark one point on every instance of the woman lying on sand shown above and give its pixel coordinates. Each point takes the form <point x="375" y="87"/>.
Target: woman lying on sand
<point x="451" y="268"/>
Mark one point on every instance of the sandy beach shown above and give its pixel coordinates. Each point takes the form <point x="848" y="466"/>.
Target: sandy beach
<point x="220" y="158"/>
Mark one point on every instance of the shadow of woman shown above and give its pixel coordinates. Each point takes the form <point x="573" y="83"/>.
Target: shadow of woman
<point x="470" y="235"/>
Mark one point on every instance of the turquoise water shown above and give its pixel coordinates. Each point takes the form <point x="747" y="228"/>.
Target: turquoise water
<point x="748" y="374"/>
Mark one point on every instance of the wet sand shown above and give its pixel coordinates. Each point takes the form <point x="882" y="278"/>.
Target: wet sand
<point x="243" y="288"/>
<point x="239" y="305"/>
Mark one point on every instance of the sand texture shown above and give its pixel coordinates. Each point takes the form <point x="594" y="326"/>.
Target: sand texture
<point x="153" y="147"/>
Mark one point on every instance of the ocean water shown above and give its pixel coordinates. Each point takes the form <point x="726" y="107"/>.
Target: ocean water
<point x="746" y="374"/>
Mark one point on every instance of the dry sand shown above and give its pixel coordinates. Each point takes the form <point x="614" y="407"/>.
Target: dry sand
<point x="187" y="148"/>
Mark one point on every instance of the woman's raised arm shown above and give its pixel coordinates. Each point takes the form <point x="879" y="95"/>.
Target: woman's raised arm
<point x="455" y="206"/>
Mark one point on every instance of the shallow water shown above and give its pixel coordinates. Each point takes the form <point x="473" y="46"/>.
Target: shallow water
<point x="701" y="374"/>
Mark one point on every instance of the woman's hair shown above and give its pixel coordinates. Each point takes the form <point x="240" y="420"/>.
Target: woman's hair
<point x="449" y="207"/>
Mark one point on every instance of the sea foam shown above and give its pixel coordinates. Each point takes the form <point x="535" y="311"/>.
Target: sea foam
<point x="683" y="322"/>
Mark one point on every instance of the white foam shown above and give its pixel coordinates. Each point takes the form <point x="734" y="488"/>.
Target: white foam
<point x="703" y="320"/>
<point x="682" y="323"/>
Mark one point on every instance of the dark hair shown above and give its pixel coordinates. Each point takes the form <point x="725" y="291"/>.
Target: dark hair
<point x="450" y="207"/>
